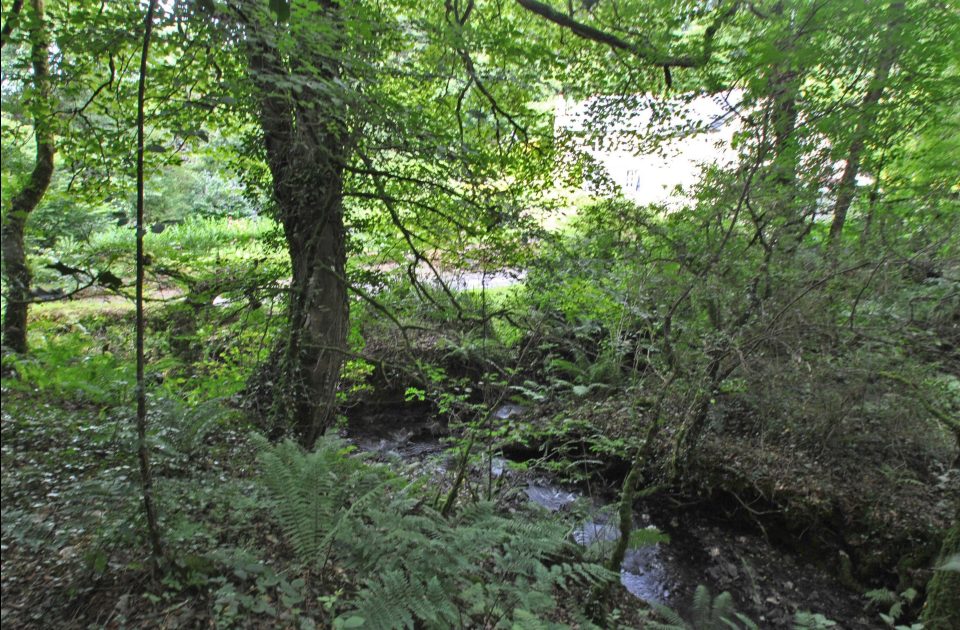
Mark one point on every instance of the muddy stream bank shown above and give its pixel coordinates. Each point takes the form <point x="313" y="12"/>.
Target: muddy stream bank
<point x="768" y="584"/>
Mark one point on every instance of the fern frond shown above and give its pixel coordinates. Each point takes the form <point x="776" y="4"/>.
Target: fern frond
<point x="477" y="569"/>
<point x="805" y="620"/>
<point x="700" y="612"/>
<point x="569" y="368"/>
<point x="881" y="596"/>
<point x="383" y="605"/>
<point x="722" y="609"/>
<point x="672" y="618"/>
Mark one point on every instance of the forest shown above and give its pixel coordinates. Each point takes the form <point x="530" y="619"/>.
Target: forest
<point x="481" y="314"/>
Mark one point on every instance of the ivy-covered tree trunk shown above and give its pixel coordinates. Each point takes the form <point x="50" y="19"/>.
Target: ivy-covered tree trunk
<point x="312" y="354"/>
<point x="304" y="135"/>
<point x="16" y="270"/>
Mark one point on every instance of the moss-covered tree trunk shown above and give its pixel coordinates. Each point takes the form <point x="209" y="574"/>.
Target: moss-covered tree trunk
<point x="942" y="610"/>
<point x="16" y="270"/>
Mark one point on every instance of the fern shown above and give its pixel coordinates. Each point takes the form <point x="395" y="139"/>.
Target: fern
<point x="701" y="607"/>
<point x="707" y="613"/>
<point x="313" y="492"/>
<point x="569" y="368"/>
<point x="895" y="603"/>
<point x="721" y="611"/>
<point x="882" y="596"/>
<point x="672" y="619"/>
<point x="386" y="602"/>
<point x="185" y="427"/>
<point x="421" y="569"/>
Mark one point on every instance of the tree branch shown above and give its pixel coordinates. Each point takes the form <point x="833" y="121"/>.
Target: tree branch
<point x="644" y="50"/>
<point x="11" y="22"/>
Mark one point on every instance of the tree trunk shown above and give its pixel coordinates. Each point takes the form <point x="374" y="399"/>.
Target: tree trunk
<point x="305" y="397"/>
<point x="13" y="16"/>
<point x="786" y="158"/>
<point x="779" y="148"/>
<point x="847" y="188"/>
<point x="784" y="147"/>
<point x="15" y="268"/>
<point x="143" y="449"/>
<point x="305" y="135"/>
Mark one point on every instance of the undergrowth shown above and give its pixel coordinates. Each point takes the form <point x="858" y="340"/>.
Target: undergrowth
<point x="412" y="566"/>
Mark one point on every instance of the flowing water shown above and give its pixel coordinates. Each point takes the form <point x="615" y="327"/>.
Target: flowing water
<point x="653" y="572"/>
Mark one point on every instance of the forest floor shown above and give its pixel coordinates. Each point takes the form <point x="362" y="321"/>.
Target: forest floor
<point x="73" y="555"/>
<point x="70" y="522"/>
<point x="781" y="527"/>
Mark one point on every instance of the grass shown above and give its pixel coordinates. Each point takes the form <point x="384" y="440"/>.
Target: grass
<point x="197" y="247"/>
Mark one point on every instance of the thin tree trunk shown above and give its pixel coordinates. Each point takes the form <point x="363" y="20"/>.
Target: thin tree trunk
<point x="13" y="16"/>
<point x="846" y="189"/>
<point x="15" y="268"/>
<point x="143" y="452"/>
<point x="628" y="492"/>
<point x="784" y="85"/>
<point x="786" y="158"/>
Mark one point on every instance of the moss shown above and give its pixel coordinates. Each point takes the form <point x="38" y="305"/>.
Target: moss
<point x="845" y="573"/>
<point x="942" y="610"/>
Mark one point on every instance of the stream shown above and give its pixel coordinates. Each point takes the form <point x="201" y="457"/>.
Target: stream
<point x="768" y="584"/>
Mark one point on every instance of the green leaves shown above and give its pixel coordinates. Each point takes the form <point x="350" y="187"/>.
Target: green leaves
<point x="952" y="564"/>
<point x="280" y="8"/>
<point x="647" y="536"/>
